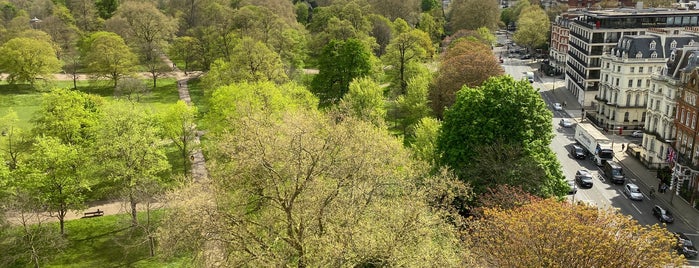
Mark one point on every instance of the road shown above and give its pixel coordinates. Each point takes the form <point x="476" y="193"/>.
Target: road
<point x="603" y="194"/>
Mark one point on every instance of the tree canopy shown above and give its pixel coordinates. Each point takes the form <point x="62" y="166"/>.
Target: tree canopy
<point x="473" y="14"/>
<point x="533" y="27"/>
<point x="340" y="63"/>
<point x="25" y="60"/>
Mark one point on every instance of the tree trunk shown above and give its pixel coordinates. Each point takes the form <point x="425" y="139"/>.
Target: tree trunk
<point x="132" y="200"/>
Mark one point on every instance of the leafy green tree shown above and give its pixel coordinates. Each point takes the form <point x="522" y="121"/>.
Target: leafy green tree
<point x="304" y="192"/>
<point x="412" y="46"/>
<point x="186" y="49"/>
<point x="251" y="61"/>
<point x="519" y="237"/>
<point x="424" y="145"/>
<point x="532" y="27"/>
<point x="432" y="25"/>
<point x="340" y="63"/>
<point x="55" y="177"/>
<point x="473" y="14"/>
<point x="408" y="10"/>
<point x="14" y="142"/>
<point x="26" y="59"/>
<point x="427" y="5"/>
<point x="129" y="152"/>
<point x="107" y="55"/>
<point x="382" y="32"/>
<point x="177" y="124"/>
<point x="67" y="115"/>
<point x="132" y="89"/>
<point x="499" y="133"/>
<point x="365" y="101"/>
<point x="413" y="105"/>
<point x="86" y="14"/>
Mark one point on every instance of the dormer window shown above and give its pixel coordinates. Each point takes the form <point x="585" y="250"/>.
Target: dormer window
<point x="652" y="44"/>
<point x="653" y="55"/>
<point x="672" y="56"/>
<point x="673" y="44"/>
<point x="639" y="55"/>
<point x="628" y="44"/>
<point x="618" y="53"/>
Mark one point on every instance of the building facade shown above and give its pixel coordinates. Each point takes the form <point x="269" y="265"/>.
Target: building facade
<point x="626" y="77"/>
<point x="686" y="177"/>
<point x="558" y="49"/>
<point x="598" y="31"/>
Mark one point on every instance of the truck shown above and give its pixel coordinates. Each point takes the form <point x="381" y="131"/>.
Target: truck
<point x="597" y="145"/>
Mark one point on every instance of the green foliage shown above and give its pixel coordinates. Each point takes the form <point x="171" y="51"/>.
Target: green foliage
<point x="499" y="133"/>
<point x="106" y="55"/>
<point x="532" y="27"/>
<point x="67" y="115"/>
<point x="302" y="13"/>
<point x="26" y="59"/>
<point x="339" y="64"/>
<point x="428" y="5"/>
<point x="14" y="142"/>
<point x="365" y="101"/>
<point x="473" y="14"/>
<point x="177" y="124"/>
<point x="251" y="61"/>
<point x="411" y="107"/>
<point x="186" y="49"/>
<point x="432" y="25"/>
<point x="424" y="144"/>
<point x="410" y="47"/>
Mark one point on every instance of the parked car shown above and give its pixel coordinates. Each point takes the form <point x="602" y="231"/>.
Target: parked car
<point x="633" y="192"/>
<point x="573" y="187"/>
<point x="685" y="246"/>
<point x="566" y="122"/>
<point x="526" y="56"/>
<point x="662" y="214"/>
<point x="578" y="152"/>
<point x="637" y="134"/>
<point x="584" y="178"/>
<point x="557" y="106"/>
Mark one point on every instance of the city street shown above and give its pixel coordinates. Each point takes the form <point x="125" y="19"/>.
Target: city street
<point x="603" y="193"/>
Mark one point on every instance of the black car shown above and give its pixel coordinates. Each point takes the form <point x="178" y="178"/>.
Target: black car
<point x="578" y="152"/>
<point x="663" y="215"/>
<point x="584" y="178"/>
<point x="685" y="246"/>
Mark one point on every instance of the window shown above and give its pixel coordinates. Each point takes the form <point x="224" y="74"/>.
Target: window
<point x="617" y="82"/>
<point x="672" y="56"/>
<point x="639" y="55"/>
<point x="694" y="120"/>
<point x="652" y="45"/>
<point x="673" y="44"/>
<point x="626" y="117"/>
<point x="648" y="83"/>
<point x="628" y="99"/>
<point x="650" y="69"/>
<point x="630" y="83"/>
<point x="640" y="69"/>
<point x="607" y="65"/>
<point x="637" y="98"/>
<point x="643" y="117"/>
<point x="618" y="69"/>
<point x="638" y="83"/>
<point x="653" y="55"/>
<point x="632" y="69"/>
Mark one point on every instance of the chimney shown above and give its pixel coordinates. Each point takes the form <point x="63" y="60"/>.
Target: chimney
<point x="639" y="5"/>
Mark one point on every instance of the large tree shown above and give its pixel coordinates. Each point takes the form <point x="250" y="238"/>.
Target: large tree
<point x="499" y="133"/>
<point x="408" y="10"/>
<point x="550" y="233"/>
<point x="14" y="141"/>
<point x="177" y="125"/>
<point x="473" y="14"/>
<point x="532" y="27"/>
<point x="303" y="191"/>
<point x="467" y="62"/>
<point x="365" y="101"/>
<point x="107" y="55"/>
<point x="410" y="46"/>
<point x="340" y="63"/>
<point x="70" y="116"/>
<point x="25" y="60"/>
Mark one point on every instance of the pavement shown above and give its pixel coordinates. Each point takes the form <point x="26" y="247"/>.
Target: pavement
<point x="646" y="178"/>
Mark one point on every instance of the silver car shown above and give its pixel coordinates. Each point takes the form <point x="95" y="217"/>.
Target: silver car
<point x="565" y="122"/>
<point x="633" y="192"/>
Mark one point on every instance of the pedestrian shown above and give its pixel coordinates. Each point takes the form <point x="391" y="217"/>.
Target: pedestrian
<point x="663" y="188"/>
<point x="565" y="103"/>
<point x="622" y="147"/>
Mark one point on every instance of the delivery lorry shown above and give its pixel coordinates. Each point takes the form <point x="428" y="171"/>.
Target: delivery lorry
<point x="598" y="146"/>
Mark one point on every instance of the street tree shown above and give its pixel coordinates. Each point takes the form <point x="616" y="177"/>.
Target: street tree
<point x="55" y="176"/>
<point x="411" y="46"/>
<point x="550" y="233"/>
<point x="25" y="60"/>
<point x="129" y="152"/>
<point x="364" y="101"/>
<point x="340" y="63"/>
<point x="177" y="124"/>
<point x="70" y="116"/>
<point x="532" y="27"/>
<point x="304" y="191"/>
<point x="499" y="133"/>
<point x="466" y="63"/>
<point x="107" y="55"/>
<point x="473" y="14"/>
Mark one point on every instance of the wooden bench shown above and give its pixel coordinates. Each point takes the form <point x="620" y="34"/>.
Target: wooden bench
<point x="93" y="214"/>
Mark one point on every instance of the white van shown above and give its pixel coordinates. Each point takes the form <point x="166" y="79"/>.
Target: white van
<point x="530" y="77"/>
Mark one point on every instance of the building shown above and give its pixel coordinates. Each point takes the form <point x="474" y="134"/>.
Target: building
<point x="558" y="48"/>
<point x="686" y="165"/>
<point x="626" y="76"/>
<point x="660" y="131"/>
<point x="592" y="3"/>
<point x="598" y="31"/>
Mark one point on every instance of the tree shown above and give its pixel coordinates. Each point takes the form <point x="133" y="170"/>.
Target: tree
<point x="408" y="10"/>
<point x="305" y="192"/>
<point x="658" y="3"/>
<point x="177" y="124"/>
<point x="106" y="55"/>
<point x="186" y="49"/>
<point x="424" y="145"/>
<point x="549" y="233"/>
<point x="25" y="60"/>
<point x="340" y="63"/>
<point x="466" y="63"/>
<point x="365" y="101"/>
<point x="532" y="27"/>
<point x="86" y="14"/>
<point x="432" y="25"/>
<point x="131" y="88"/>
<point x="55" y="177"/>
<point x="129" y="152"/>
<point x="412" y="46"/>
<point x="67" y="115"/>
<point x="13" y="140"/>
<point x="499" y="133"/>
<point x="473" y="14"/>
<point x="410" y="108"/>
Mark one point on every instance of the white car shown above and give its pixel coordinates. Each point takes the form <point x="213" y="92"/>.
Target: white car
<point x="637" y="134"/>
<point x="565" y="122"/>
<point x="557" y="106"/>
<point x="632" y="191"/>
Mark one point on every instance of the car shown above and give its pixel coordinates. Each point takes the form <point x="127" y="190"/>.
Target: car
<point x="565" y="122"/>
<point x="685" y="246"/>
<point x="578" y="152"/>
<point x="526" y="56"/>
<point x="572" y="187"/>
<point x="662" y="214"/>
<point x="633" y="192"/>
<point x="557" y="106"/>
<point x="637" y="134"/>
<point x="584" y="178"/>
